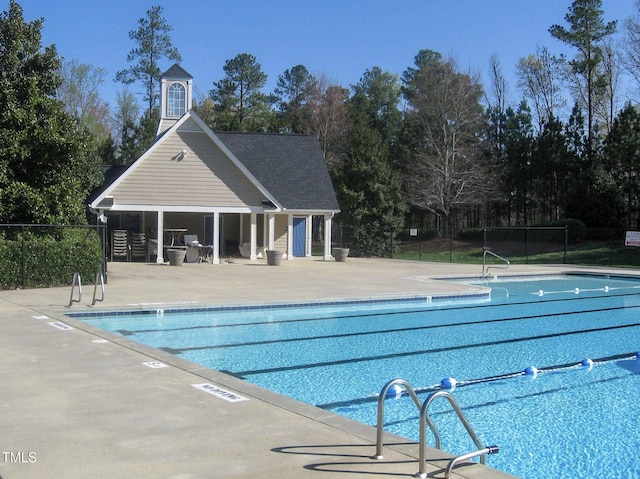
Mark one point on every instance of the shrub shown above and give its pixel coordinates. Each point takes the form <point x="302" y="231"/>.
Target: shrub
<point x="475" y="234"/>
<point x="36" y="259"/>
<point x="605" y="234"/>
<point x="577" y="229"/>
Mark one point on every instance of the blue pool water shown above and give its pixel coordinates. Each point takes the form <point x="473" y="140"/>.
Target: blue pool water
<point x="567" y="421"/>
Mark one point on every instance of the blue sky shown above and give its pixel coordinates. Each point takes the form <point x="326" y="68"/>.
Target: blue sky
<point x="340" y="38"/>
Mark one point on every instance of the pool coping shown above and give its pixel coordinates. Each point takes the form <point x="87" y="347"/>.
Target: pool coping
<point x="482" y="293"/>
<point x="366" y="433"/>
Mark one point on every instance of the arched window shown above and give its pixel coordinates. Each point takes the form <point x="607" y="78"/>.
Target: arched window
<point x="176" y="100"/>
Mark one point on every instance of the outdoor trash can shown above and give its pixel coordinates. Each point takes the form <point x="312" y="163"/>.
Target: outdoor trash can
<point x="274" y="257"/>
<point x="176" y="256"/>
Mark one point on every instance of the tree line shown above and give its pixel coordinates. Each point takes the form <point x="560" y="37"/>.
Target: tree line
<point x="430" y="148"/>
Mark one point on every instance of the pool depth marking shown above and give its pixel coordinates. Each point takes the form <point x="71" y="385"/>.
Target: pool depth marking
<point x="60" y="325"/>
<point x="155" y="364"/>
<point x="220" y="392"/>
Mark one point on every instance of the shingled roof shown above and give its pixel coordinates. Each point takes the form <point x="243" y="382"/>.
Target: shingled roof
<point x="290" y="167"/>
<point x="176" y="71"/>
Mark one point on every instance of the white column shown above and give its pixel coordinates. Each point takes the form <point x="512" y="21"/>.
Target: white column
<point x="327" y="236"/>
<point x="290" y="236"/>
<point x="272" y="230"/>
<point x="160" y="238"/>
<point x="216" y="237"/>
<point x="254" y="236"/>
<point x="309" y="236"/>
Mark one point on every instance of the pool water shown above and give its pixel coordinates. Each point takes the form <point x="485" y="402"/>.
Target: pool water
<point x="568" y="420"/>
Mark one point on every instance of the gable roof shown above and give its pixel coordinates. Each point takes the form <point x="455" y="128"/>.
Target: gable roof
<point x="160" y="177"/>
<point x="290" y="167"/>
<point x="289" y="170"/>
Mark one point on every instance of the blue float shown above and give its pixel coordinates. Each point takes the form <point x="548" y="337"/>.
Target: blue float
<point x="531" y="371"/>
<point x="448" y="383"/>
<point x="394" y="391"/>
<point x="587" y="363"/>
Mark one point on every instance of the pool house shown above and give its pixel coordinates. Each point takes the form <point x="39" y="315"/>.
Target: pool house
<point x="231" y="193"/>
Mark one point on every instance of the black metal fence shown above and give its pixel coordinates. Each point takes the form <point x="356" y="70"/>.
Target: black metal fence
<point x="34" y="256"/>
<point x="520" y="245"/>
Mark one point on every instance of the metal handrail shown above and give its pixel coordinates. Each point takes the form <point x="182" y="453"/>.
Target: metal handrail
<point x="470" y="455"/>
<point x="99" y="277"/>
<point x="424" y="419"/>
<point x="484" y="258"/>
<point x="380" y="422"/>
<point x="76" y="279"/>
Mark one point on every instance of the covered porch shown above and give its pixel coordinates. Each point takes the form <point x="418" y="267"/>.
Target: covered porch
<point x="221" y="233"/>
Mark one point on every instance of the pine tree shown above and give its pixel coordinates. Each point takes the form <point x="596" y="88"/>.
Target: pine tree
<point x="369" y="188"/>
<point x="153" y="44"/>
<point x="240" y="103"/>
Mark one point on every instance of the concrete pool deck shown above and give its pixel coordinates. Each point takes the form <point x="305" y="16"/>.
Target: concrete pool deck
<point x="79" y="402"/>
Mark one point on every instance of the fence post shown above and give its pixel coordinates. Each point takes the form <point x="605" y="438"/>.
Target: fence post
<point x="611" y="234"/>
<point x="103" y="227"/>
<point x="24" y="279"/>
<point x="566" y="242"/>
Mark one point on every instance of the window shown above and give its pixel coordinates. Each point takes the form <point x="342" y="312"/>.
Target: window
<point x="176" y="100"/>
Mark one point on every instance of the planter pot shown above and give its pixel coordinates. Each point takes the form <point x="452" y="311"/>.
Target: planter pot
<point x="340" y="254"/>
<point x="176" y="256"/>
<point x="274" y="257"/>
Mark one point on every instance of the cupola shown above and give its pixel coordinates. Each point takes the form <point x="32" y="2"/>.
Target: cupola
<point x="176" y="96"/>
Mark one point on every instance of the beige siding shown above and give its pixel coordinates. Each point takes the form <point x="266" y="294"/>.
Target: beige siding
<point x="280" y="233"/>
<point x="205" y="177"/>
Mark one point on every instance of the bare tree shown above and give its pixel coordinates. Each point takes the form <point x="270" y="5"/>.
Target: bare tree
<point x="498" y="83"/>
<point x="79" y="93"/>
<point x="631" y="45"/>
<point x="446" y="170"/>
<point x="540" y="80"/>
<point x="328" y="118"/>
<point x="205" y="107"/>
<point x="607" y="98"/>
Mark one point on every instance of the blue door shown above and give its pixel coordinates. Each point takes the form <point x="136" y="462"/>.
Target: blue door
<point x="299" y="236"/>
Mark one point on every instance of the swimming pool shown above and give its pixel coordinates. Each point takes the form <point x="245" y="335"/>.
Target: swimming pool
<point x="568" y="420"/>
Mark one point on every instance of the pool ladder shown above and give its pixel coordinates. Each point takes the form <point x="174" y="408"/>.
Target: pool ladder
<point x="485" y="268"/>
<point x="425" y="420"/>
<point x="77" y="281"/>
